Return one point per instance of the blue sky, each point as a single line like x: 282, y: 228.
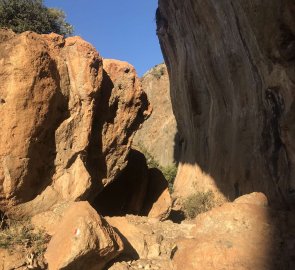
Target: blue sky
x: 124, y: 30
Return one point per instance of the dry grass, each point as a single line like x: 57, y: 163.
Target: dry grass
x: 199, y: 202
x: 20, y: 234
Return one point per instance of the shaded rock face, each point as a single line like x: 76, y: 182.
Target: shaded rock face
x: 231, y: 68
x: 67, y: 124
x: 127, y: 193
x: 158, y: 201
x: 138, y: 190
x: 158, y: 133
x: 121, y: 107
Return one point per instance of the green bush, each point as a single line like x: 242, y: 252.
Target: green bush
x: 32, y: 15
x: 169, y: 172
x: 158, y: 72
x: 197, y: 203
x: 170, y: 175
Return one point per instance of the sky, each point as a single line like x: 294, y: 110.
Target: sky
x: 124, y: 30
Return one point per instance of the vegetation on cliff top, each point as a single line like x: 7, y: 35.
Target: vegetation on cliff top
x: 32, y: 15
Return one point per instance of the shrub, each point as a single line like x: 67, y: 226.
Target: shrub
x: 170, y: 175
x: 20, y: 233
x: 32, y: 15
x: 158, y: 71
x: 169, y: 172
x: 197, y: 203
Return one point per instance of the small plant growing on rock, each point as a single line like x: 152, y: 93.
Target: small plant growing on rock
x: 169, y: 172
x: 198, y: 202
x: 170, y: 175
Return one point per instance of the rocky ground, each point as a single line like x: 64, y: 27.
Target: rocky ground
x: 244, y: 234
x: 76, y: 195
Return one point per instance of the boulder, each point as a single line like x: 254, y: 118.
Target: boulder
x: 148, y: 238
x: 231, y: 70
x: 121, y: 108
x: 83, y: 240
x: 241, y: 236
x: 236, y: 236
x: 75, y: 120
x: 256, y: 198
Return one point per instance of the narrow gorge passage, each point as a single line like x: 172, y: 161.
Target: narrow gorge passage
x: 189, y: 167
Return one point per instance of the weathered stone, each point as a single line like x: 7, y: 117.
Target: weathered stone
x: 148, y: 238
x: 233, y: 236
x: 67, y: 124
x: 231, y: 69
x: 83, y: 240
x: 253, y: 198
x: 132, y: 236
x: 158, y: 133
x: 121, y: 107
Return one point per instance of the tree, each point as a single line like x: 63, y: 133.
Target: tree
x: 32, y: 15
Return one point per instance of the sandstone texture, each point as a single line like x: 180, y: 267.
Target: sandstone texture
x: 231, y: 69
x: 67, y: 120
x: 83, y: 240
x: 158, y: 134
x: 234, y: 236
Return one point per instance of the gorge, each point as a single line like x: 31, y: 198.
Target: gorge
x: 85, y: 143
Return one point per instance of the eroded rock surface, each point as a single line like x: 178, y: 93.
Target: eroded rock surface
x: 158, y: 134
x: 67, y: 122
x: 231, y: 68
x: 83, y: 240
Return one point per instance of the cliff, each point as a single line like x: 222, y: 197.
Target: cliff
x: 231, y: 68
x: 158, y: 133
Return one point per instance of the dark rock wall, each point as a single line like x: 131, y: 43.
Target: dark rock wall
x: 231, y: 68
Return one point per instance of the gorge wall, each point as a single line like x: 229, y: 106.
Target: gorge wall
x: 232, y: 76
x: 158, y: 134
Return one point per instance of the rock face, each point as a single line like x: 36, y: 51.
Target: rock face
x: 158, y: 134
x: 126, y: 195
x: 231, y: 68
x: 137, y: 190
x: 83, y: 240
x: 67, y: 122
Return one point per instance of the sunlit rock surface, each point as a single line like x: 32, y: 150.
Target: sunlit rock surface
x: 66, y: 121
